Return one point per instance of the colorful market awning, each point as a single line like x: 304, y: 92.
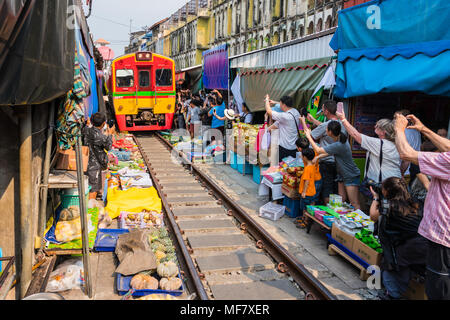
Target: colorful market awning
x: 216, y: 68
x: 393, y: 46
x: 298, y: 80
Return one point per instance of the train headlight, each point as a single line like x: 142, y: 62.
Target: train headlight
x: 143, y: 56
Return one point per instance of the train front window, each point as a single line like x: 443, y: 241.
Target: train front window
x: 164, y: 77
x: 125, y: 78
x: 144, y: 79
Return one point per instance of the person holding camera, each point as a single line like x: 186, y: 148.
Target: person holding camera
x: 382, y: 158
x: 404, y: 250
x: 435, y: 224
x: 287, y: 124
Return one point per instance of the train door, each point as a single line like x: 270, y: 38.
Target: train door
x: 145, y: 96
x: 164, y: 89
x: 144, y: 86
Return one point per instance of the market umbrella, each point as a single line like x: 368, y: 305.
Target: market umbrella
x: 107, y: 53
x: 102, y: 42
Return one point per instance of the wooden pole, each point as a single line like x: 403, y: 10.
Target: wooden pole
x: 23, y: 231
x: 46, y: 172
x: 83, y: 216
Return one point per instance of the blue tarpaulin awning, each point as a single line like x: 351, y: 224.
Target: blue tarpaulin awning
x: 393, y: 46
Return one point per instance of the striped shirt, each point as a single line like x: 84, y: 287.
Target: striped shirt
x: 435, y: 225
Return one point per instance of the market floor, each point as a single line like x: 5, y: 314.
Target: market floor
x: 336, y: 273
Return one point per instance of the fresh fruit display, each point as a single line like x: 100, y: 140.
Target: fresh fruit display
x: 144, y: 282
x: 151, y: 218
x: 161, y: 245
x: 167, y: 269
x: 170, y: 284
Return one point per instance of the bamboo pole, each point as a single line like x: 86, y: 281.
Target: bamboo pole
x: 23, y: 231
x: 46, y: 172
x: 83, y: 216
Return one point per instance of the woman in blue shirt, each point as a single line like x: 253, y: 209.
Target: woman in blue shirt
x: 219, y: 109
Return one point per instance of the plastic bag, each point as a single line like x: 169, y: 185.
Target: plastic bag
x: 69, y: 275
x: 265, y: 142
x: 66, y: 231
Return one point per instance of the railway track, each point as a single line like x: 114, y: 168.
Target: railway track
x: 224, y: 253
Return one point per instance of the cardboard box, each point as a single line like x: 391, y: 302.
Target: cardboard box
x: 290, y: 192
x: 416, y: 291
x: 342, y: 237
x: 366, y: 253
x: 67, y: 159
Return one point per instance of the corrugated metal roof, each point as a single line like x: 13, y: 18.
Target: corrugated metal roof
x: 314, y: 48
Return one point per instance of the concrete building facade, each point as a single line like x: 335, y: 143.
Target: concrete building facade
x: 245, y: 25
x: 248, y: 25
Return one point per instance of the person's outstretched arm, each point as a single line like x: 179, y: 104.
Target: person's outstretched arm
x: 316, y: 148
x: 443, y: 144
x: 355, y: 134
x: 267, y: 105
x: 313, y: 120
x: 217, y: 116
x: 406, y: 152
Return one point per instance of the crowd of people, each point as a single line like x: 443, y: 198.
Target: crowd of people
x: 405, y: 186
x: 199, y: 112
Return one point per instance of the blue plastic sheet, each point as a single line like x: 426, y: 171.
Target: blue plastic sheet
x: 393, y: 46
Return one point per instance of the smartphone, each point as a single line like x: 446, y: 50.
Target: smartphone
x: 340, y: 107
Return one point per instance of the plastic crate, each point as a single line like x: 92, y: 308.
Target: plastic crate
x: 272, y: 211
x: 68, y: 200
x: 106, y: 239
x: 233, y: 160
x: 292, y: 207
x: 123, y: 287
x: 244, y: 165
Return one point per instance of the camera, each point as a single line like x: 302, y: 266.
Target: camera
x: 304, y: 112
x: 376, y: 186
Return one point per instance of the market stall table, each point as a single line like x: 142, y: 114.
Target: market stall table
x: 310, y: 218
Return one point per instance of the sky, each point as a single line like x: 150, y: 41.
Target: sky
x: 110, y: 19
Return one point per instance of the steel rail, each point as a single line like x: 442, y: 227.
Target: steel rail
x: 314, y: 289
x: 196, y: 284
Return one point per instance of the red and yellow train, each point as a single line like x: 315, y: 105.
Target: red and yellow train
x: 142, y: 91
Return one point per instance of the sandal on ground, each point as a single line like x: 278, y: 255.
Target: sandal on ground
x: 301, y: 223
